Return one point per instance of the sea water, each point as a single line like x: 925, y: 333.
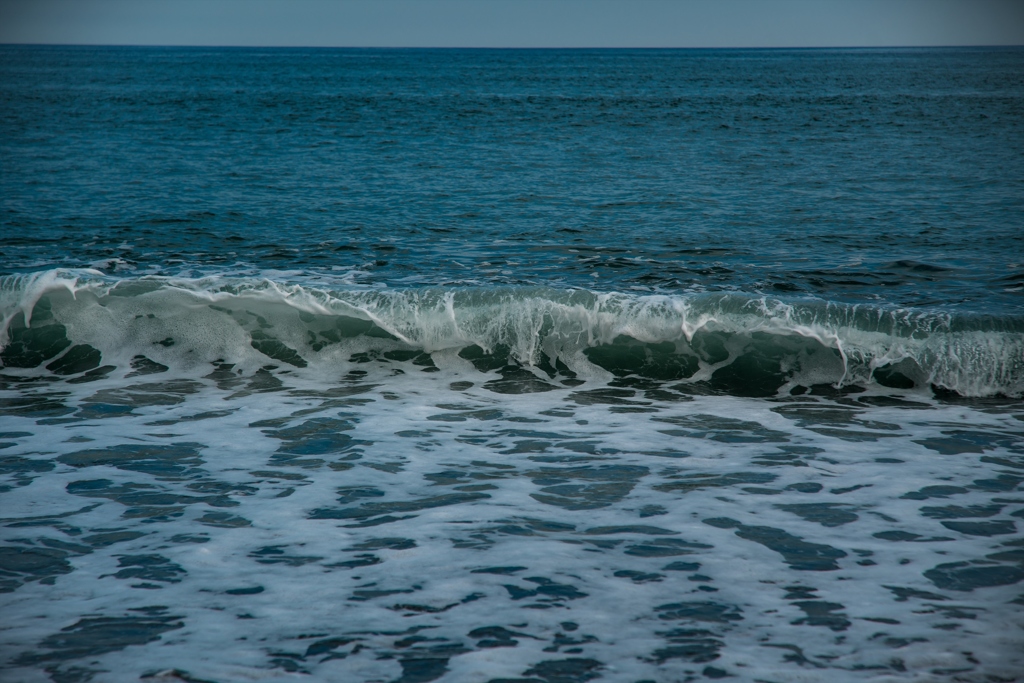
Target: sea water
x: 535, y: 366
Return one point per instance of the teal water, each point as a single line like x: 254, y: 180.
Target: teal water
x: 473, y: 365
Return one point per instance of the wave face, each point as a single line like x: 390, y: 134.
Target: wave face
x: 78, y: 321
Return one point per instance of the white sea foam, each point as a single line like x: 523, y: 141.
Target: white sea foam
x: 810, y: 341
x: 611, y: 503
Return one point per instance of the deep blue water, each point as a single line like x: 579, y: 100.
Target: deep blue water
x: 869, y: 175
x: 495, y: 365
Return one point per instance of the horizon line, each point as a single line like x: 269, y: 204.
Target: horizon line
x: 537, y: 48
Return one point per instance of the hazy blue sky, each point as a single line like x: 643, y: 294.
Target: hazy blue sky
x: 515, y: 23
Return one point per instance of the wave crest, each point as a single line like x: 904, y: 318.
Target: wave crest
x: 733, y: 341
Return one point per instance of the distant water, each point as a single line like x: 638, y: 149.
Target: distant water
x: 534, y: 366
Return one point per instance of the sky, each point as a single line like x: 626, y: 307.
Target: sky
x: 515, y: 23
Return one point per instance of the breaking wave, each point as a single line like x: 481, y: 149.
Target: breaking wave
x: 80, y: 321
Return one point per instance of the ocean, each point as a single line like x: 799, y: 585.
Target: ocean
x: 495, y: 366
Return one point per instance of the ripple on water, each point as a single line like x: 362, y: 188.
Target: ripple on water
x: 362, y: 530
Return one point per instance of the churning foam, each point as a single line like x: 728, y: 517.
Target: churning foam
x: 186, y: 322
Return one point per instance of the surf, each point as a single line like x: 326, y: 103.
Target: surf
x: 69, y: 322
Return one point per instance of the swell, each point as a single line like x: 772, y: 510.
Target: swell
x: 70, y: 322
